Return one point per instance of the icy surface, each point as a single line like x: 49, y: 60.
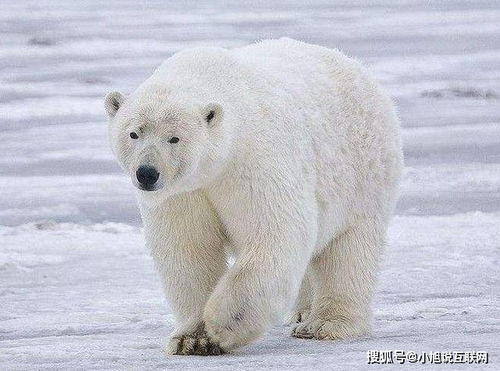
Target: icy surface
x: 87, y: 297
x: 80, y: 292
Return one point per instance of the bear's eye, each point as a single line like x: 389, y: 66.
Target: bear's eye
x: 173, y: 140
x: 134, y: 135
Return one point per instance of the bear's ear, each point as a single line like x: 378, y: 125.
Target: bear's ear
x: 112, y: 102
x: 212, y: 113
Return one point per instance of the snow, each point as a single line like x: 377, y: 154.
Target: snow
x: 77, y: 287
x: 87, y: 297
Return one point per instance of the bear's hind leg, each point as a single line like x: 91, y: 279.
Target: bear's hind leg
x: 344, y: 276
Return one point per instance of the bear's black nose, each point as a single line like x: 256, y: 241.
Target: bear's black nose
x: 147, y: 176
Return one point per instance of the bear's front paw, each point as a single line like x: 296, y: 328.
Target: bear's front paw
x: 330, y: 329
x: 232, y: 328
x: 196, y: 343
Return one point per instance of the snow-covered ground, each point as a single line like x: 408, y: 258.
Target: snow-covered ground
x: 86, y: 297
x: 78, y: 290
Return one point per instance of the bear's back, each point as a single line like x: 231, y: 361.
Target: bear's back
x: 290, y: 58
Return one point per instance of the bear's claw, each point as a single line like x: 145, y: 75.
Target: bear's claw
x: 197, y: 343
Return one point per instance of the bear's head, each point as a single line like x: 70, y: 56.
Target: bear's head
x: 166, y: 145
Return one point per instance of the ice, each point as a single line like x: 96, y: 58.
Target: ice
x: 78, y: 289
x: 87, y: 297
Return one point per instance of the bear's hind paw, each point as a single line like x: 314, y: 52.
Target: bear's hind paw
x: 333, y: 329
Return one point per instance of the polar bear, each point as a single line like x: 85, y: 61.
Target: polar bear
x: 283, y: 154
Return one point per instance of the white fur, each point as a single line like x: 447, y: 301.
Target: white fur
x: 297, y: 171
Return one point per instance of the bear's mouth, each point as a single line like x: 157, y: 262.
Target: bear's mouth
x: 146, y: 188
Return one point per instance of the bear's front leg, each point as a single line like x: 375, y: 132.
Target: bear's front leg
x: 274, y: 247
x: 186, y: 243
x: 254, y: 294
